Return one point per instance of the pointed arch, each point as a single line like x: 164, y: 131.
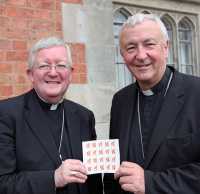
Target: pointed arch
x: 186, y: 39
x: 170, y: 26
x: 188, y: 21
x: 124, y: 11
x: 124, y: 77
x: 145, y: 12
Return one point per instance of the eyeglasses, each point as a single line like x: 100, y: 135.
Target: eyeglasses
x: 58, y: 67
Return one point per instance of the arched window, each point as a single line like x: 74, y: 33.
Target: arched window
x: 124, y: 77
x: 185, y: 49
x: 168, y: 26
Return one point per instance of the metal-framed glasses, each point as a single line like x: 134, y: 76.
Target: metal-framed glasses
x: 59, y: 67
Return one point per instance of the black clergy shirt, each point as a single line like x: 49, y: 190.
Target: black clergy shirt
x: 149, y: 107
x: 54, y: 119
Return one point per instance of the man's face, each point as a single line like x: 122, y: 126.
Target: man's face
x: 51, y: 84
x: 144, y: 52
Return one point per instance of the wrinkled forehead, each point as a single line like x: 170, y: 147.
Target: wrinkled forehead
x: 147, y: 29
x: 57, y: 53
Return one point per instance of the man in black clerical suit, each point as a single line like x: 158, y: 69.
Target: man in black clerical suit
x: 156, y: 119
x: 41, y: 133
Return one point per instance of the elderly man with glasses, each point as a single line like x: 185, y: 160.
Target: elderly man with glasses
x: 41, y: 133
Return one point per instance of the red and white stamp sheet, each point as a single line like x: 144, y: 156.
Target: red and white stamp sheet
x: 101, y: 156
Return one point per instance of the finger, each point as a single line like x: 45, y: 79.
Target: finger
x: 78, y: 175
x: 117, y: 174
x: 126, y: 180
x: 78, y: 168
x: 127, y: 187
x: 75, y: 162
x: 128, y: 164
x: 74, y: 165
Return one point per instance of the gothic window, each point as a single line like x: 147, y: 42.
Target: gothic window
x: 168, y: 26
x: 185, y: 48
x: 124, y: 77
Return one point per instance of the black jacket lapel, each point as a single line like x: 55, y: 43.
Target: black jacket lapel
x: 38, y: 124
x: 127, y: 115
x: 167, y: 115
x: 74, y: 127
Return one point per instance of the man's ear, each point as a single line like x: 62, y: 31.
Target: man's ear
x: 122, y: 54
x: 29, y: 73
x: 166, y: 49
x: 72, y: 71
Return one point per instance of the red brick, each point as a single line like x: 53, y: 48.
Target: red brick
x: 15, y: 2
x: 5, y: 44
x: 58, y: 6
x: 1, y: 56
x: 57, y: 34
x: 20, y: 68
x: 19, y: 45
x: 20, y: 34
x: 30, y: 44
x: 2, y: 79
x: 83, y: 78
x: 19, y: 12
x: 6, y: 90
x: 1, y: 32
x: 29, y: 35
x: 12, y: 79
x: 68, y: 1
x: 48, y: 5
x: 55, y: 16
x: 42, y: 14
x: 1, y: 12
x: 33, y: 3
x: 78, y: 48
x: 18, y: 23
x: 58, y: 26
x: 17, y: 56
x: 82, y: 58
x: 42, y: 34
x: 6, y: 68
x: 75, y: 78
x: 75, y: 58
x: 23, y: 79
x: 40, y: 25
x: 79, y: 68
x: 4, y: 21
x: 78, y: 1
x: 20, y: 89
x: 18, y: 79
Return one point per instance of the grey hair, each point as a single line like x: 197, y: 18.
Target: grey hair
x: 48, y: 42
x: 138, y: 18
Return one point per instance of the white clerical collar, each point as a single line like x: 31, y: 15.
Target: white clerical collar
x: 147, y: 92
x: 53, y: 106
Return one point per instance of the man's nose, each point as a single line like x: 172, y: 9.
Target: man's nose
x: 141, y: 53
x: 52, y: 71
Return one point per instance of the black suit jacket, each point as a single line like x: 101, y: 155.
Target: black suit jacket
x: 172, y: 162
x: 28, y: 153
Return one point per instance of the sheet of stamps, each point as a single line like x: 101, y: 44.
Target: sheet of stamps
x: 101, y: 156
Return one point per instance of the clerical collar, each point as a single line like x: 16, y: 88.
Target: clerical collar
x: 159, y: 86
x: 48, y: 106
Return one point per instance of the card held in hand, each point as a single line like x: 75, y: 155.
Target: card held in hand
x: 101, y: 156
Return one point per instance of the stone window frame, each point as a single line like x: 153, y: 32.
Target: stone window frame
x: 174, y: 18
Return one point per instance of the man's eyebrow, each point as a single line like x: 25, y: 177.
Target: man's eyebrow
x: 150, y: 40
x: 129, y: 44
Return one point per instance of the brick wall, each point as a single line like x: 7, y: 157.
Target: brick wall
x: 22, y: 24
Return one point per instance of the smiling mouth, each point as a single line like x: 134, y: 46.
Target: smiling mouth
x: 143, y: 65
x: 52, y: 82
